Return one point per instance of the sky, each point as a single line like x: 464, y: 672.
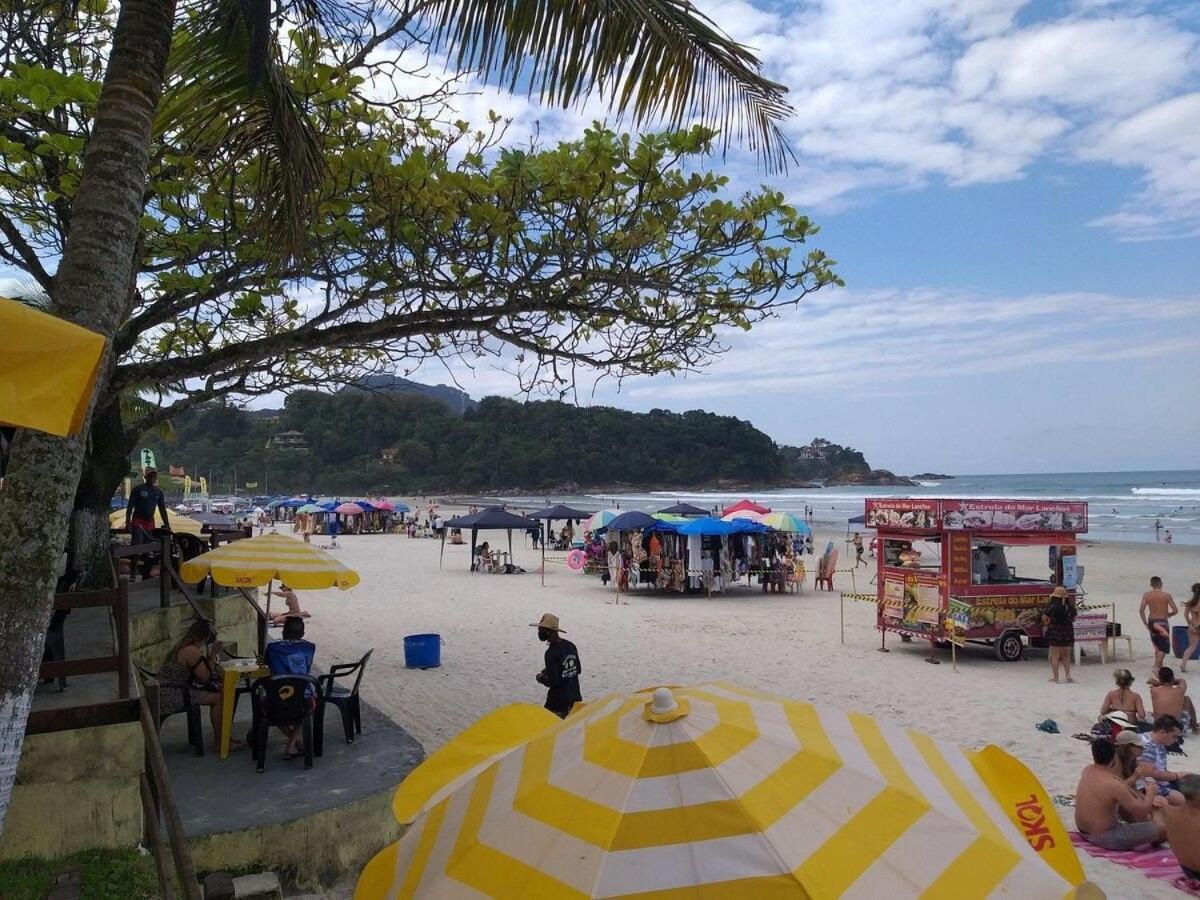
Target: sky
x: 1012, y: 192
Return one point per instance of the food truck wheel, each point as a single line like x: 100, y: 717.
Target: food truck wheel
x: 1008, y: 647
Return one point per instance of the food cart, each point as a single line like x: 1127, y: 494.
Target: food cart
x: 943, y: 563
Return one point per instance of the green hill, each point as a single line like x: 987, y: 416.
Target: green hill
x: 363, y: 442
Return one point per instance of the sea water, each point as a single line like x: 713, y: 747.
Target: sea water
x: 1122, y: 506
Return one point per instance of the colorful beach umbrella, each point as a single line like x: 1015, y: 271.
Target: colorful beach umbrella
x: 348, y: 509
x: 365, y: 505
x: 256, y: 561
x: 179, y: 523
x: 384, y: 506
x: 785, y: 521
x: 717, y: 791
x: 309, y: 508
x: 749, y: 515
x: 48, y: 367
x: 600, y: 519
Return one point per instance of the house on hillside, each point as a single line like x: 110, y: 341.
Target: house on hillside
x: 288, y: 440
x: 388, y: 454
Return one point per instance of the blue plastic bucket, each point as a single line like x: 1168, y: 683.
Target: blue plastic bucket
x: 423, y: 651
x: 1179, y: 642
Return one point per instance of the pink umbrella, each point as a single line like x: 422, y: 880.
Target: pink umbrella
x: 383, y: 506
x: 348, y: 509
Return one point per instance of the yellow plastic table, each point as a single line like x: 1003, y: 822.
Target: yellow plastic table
x: 231, y: 672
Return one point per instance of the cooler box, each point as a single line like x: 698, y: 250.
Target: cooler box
x: 423, y: 651
x: 1179, y: 642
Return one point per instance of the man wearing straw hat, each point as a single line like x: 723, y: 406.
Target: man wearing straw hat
x: 561, y: 674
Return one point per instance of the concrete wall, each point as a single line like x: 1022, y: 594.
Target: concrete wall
x: 314, y: 851
x: 152, y: 633
x: 76, y: 790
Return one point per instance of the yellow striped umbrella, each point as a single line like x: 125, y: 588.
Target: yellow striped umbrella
x: 255, y: 561
x: 717, y: 791
x: 179, y: 523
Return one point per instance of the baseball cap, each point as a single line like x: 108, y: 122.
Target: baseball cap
x: 1128, y: 737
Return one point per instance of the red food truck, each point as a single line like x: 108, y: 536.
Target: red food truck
x: 946, y: 561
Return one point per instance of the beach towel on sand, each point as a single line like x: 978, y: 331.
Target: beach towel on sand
x: 1158, y: 863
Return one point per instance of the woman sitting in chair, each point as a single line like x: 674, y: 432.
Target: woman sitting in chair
x: 191, y: 666
x: 487, y: 559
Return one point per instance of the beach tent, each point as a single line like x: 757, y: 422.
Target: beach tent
x: 709, y: 526
x: 634, y: 520
x: 719, y: 791
x: 684, y: 509
x: 748, y: 505
x: 48, y: 368
x: 211, y: 520
x: 491, y: 518
x: 552, y: 514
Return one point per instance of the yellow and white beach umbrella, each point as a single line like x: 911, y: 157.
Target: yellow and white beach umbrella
x: 179, y: 523
x: 256, y: 561
x: 717, y: 791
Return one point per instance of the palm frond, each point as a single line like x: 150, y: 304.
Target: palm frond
x: 26, y: 290
x: 228, y: 95
x: 135, y: 408
x: 652, y: 59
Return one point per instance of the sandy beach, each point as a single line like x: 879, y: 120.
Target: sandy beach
x: 788, y: 644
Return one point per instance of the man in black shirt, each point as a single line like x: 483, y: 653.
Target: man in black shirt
x: 561, y: 675
x: 139, y: 514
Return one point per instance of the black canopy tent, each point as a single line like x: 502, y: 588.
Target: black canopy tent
x: 548, y: 515
x: 493, y: 518
x: 685, y: 509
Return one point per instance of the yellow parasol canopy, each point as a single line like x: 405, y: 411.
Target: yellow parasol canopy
x: 717, y: 791
x: 255, y: 561
x: 48, y: 368
x: 179, y: 523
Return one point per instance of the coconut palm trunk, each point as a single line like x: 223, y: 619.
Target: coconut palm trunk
x: 92, y: 289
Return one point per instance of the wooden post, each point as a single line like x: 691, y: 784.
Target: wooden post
x: 164, y: 579
x: 842, y: 615
x: 122, y: 616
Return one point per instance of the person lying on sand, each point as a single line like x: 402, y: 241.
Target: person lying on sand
x: 1102, y: 794
x: 1183, y: 827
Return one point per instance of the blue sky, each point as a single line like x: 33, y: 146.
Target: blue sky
x: 1012, y: 191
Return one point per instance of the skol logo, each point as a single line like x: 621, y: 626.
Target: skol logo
x: 1033, y: 822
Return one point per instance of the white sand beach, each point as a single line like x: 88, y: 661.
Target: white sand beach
x: 788, y: 644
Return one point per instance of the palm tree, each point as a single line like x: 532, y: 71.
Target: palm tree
x: 648, y: 58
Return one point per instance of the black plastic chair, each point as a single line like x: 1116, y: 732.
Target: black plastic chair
x: 345, y: 700
x: 283, y: 700
x: 195, y: 731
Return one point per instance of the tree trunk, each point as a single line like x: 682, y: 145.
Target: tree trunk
x: 91, y: 288
x: 105, y: 463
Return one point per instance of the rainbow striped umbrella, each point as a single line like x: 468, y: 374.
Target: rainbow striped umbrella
x: 716, y: 791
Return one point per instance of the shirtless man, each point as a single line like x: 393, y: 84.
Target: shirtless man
x: 1156, y: 610
x: 1168, y: 697
x: 1183, y: 827
x: 1102, y: 793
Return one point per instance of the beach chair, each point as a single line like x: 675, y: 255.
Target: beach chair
x: 346, y: 700
x: 283, y: 701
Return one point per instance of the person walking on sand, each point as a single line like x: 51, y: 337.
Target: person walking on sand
x: 561, y: 672
x: 1156, y: 610
x: 857, y: 541
x: 1191, y: 614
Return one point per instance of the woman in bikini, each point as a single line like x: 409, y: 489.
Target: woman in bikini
x: 1191, y: 614
x: 191, y: 666
x: 1123, y: 699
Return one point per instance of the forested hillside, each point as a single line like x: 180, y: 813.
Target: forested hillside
x: 395, y: 443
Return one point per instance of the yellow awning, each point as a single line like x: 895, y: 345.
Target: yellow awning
x: 717, y: 791
x: 48, y: 368
x: 256, y: 561
x: 180, y: 523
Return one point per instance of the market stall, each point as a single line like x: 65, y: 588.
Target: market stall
x: 944, y: 564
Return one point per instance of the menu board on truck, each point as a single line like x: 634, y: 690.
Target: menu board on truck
x: 903, y: 512
x: 1014, y: 515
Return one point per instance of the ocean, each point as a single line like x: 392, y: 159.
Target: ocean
x: 1122, y: 506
